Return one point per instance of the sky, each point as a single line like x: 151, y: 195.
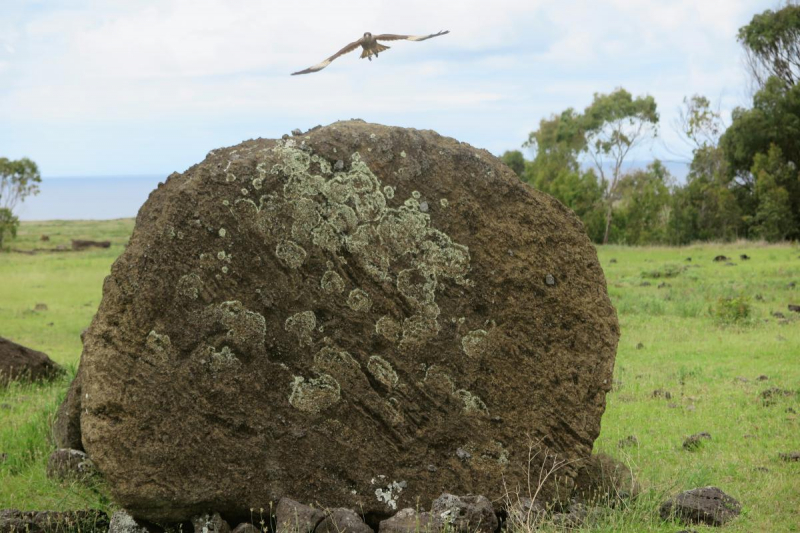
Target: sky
x: 133, y: 87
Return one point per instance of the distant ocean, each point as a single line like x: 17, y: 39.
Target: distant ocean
x: 105, y: 197
x: 88, y: 198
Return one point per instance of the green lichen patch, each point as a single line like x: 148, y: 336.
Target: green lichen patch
x: 190, y: 286
x: 388, y: 328
x: 472, y: 403
x: 332, y: 283
x: 246, y: 329
x: 335, y: 361
x: 159, y: 348
x: 222, y: 361
x: 291, y: 254
x: 359, y: 300
x: 382, y: 370
x: 474, y: 343
x: 419, y: 329
x: 301, y: 325
x: 314, y: 395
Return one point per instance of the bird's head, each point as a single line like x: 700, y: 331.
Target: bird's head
x: 367, y: 35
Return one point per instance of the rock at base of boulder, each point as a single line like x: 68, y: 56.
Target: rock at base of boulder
x: 605, y: 480
x: 343, y: 521
x: 210, y: 523
x: 294, y: 517
x: 407, y: 521
x: 65, y: 464
x: 525, y: 515
x: 246, y: 528
x: 122, y: 522
x: 472, y: 514
x: 78, y: 244
x: 14, y: 521
x: 18, y: 362
x: 67, y: 424
x: 706, y: 505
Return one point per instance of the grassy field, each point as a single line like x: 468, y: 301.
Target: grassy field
x: 674, y: 338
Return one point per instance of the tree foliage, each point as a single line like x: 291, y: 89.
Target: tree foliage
x: 18, y: 180
x: 772, y: 45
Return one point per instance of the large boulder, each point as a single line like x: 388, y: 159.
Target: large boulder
x: 359, y: 317
x: 20, y: 363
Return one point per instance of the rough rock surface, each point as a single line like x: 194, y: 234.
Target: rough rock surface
x: 14, y: 521
x: 122, y: 522
x: 327, y: 315
x: 210, y: 523
x: 707, y: 505
x: 294, y: 517
x: 606, y: 481
x: 19, y: 362
x: 67, y: 424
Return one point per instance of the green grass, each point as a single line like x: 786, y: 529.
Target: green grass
x: 686, y: 349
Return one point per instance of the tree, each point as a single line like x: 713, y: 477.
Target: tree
x: 774, y: 120
x: 698, y: 123
x: 18, y: 180
x: 772, y: 44
x: 614, y: 124
x: 644, y: 204
x: 773, y: 218
x: 515, y: 161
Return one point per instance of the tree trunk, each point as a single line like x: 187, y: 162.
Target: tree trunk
x: 608, y: 224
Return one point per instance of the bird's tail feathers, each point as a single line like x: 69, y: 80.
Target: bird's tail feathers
x: 378, y: 48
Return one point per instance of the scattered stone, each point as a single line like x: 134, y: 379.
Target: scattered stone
x: 342, y: 520
x: 707, y: 505
x: 778, y: 314
x: 20, y: 363
x: 550, y: 279
x: 791, y: 410
x: 14, y: 521
x: 664, y: 285
x: 645, y: 284
x: 794, y: 308
x: 759, y: 297
x: 67, y: 465
x: 744, y: 257
x: 44, y: 238
x: 79, y: 245
x: 613, y: 261
x: 464, y: 514
x: 791, y: 456
x: 297, y: 132
x: 122, y: 522
x: 791, y: 285
x: 210, y: 523
x: 406, y: 521
x: 639, y: 346
x: 628, y: 441
x: 741, y: 379
x: 762, y: 469
x: 661, y: 393
x: 245, y: 527
x: 294, y: 517
x: 769, y: 395
x: 175, y: 344
x: 604, y: 480
x: 762, y: 377
x: 40, y: 307
x: 689, y: 259
x: 693, y: 442
x: 720, y: 258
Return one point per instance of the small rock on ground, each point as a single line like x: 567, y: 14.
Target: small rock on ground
x: 343, y: 520
x: 294, y: 517
x: 66, y: 464
x: 210, y: 523
x: 706, y: 505
x: 406, y: 521
x: 694, y: 442
x: 246, y: 528
x: 122, y: 522
x: 473, y: 514
x: 791, y: 456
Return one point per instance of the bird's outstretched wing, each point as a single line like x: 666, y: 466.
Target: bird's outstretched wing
x: 393, y: 37
x: 319, y: 66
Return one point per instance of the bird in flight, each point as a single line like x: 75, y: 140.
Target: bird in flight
x: 371, y: 47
